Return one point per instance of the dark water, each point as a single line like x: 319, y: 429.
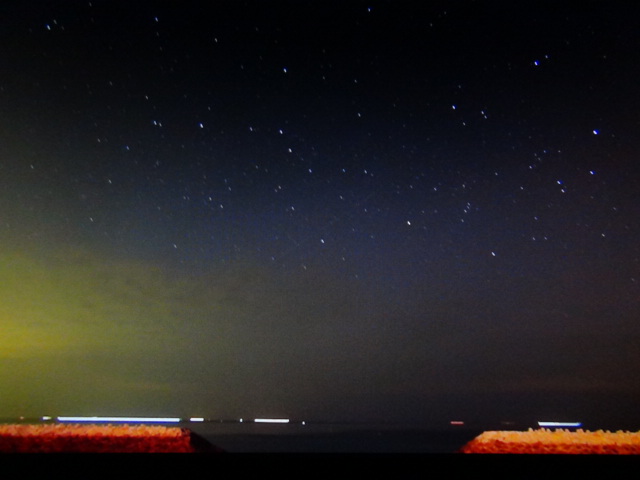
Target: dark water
x: 332, y: 438
x: 398, y: 451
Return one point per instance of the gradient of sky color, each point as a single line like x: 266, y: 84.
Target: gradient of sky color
x: 321, y: 210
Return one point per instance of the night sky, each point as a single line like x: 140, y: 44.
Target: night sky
x: 323, y: 210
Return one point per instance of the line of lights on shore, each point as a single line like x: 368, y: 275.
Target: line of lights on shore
x: 97, y: 419
x: 559, y: 424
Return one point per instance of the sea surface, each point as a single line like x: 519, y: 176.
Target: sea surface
x: 331, y: 438
x: 407, y: 451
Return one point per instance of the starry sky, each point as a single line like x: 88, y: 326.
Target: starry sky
x: 324, y: 210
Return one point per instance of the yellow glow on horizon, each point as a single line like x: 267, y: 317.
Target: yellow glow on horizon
x: 77, y: 329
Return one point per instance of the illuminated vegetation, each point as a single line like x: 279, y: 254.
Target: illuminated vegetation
x: 558, y: 441
x: 94, y: 439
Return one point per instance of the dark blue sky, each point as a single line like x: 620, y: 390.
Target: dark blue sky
x: 328, y: 210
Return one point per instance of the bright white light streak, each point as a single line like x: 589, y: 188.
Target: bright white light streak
x: 271, y: 420
x: 559, y: 424
x: 121, y: 419
x: 196, y: 419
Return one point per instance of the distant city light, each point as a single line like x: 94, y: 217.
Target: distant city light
x: 456, y: 422
x: 559, y: 424
x: 196, y: 419
x: 46, y: 418
x: 271, y: 420
x: 121, y: 419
